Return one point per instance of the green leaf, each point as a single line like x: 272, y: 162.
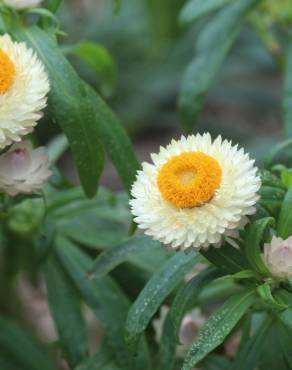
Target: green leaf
x: 117, y: 6
x: 167, y: 346
x: 285, y: 298
x: 101, y: 62
x: 195, y: 9
x: 269, y: 179
x: 226, y: 258
x: 218, y: 326
x: 66, y: 311
x: 115, y: 140
x: 71, y: 106
x: 245, y: 274
x: 265, y: 293
x: 187, y: 296
x: 285, y: 338
x: 99, y: 361
x: 184, y: 300
x: 53, y: 5
x: 22, y: 350
x: 286, y: 178
x: 276, y: 151
x: 106, y: 300
x: 211, y: 48
x: 57, y: 147
x: 284, y: 227
x: 248, y: 355
x: 162, y: 283
x: 271, y: 193
x: 255, y: 233
x: 121, y: 253
x: 287, y: 101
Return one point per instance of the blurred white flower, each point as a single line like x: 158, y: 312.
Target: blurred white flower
x: 24, y: 87
x: 22, y: 4
x: 196, y: 192
x: 278, y: 257
x: 23, y: 169
x: 191, y: 324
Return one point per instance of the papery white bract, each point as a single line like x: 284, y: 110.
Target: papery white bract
x: 22, y: 4
x: 278, y: 257
x: 221, y: 190
x: 23, y: 169
x: 24, y: 87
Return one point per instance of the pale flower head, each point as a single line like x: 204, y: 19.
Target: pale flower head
x: 23, y: 169
x: 24, y: 87
x: 278, y: 257
x: 22, y: 4
x: 195, y: 192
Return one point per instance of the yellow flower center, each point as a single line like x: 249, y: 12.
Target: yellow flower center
x: 189, y: 179
x: 7, y: 72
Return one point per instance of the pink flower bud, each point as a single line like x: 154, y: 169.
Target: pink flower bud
x: 23, y: 169
x: 278, y: 257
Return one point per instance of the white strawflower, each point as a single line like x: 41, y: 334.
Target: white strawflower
x: 195, y: 192
x: 23, y: 169
x: 24, y: 86
x: 22, y: 4
x: 278, y: 257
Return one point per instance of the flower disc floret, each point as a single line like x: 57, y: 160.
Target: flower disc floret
x: 189, y: 179
x: 7, y: 72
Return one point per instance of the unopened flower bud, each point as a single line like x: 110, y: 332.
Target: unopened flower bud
x: 278, y: 257
x: 23, y: 169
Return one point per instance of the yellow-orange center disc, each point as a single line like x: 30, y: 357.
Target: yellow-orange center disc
x: 7, y: 72
x: 189, y: 179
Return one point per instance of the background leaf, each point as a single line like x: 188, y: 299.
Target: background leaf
x: 66, y: 311
x: 101, y: 62
x: 218, y: 326
x: 287, y: 101
x: 21, y: 350
x: 195, y: 9
x: 162, y: 283
x: 254, y: 238
x: 284, y: 226
x: 106, y: 300
x: 211, y: 48
x: 113, y: 257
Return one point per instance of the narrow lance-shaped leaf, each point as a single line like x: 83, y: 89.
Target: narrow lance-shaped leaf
x: 249, y: 353
x: 188, y: 294
x: 212, y: 46
x: 113, y: 257
x: 226, y: 258
x: 218, y: 326
x: 195, y: 9
x: 101, y: 62
x: 183, y: 301
x: 287, y: 102
x: 162, y: 283
x: 284, y: 226
x: 107, y: 301
x: 253, y: 241
x: 22, y: 350
x: 115, y: 139
x: 70, y: 105
x: 66, y: 311
x: 53, y: 5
